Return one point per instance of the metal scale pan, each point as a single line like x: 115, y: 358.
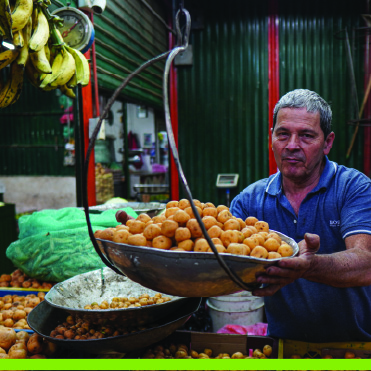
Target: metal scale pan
x: 185, y: 273
x: 44, y: 318
x: 74, y: 294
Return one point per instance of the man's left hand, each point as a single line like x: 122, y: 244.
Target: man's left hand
x: 288, y: 270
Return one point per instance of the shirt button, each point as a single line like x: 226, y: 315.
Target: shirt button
x: 295, y: 221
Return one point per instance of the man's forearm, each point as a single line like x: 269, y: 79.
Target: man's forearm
x: 347, y: 268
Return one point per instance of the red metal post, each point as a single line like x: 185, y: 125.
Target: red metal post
x: 173, y: 97
x: 273, y: 74
x: 87, y: 113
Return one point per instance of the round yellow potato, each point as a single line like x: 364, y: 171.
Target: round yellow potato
x: 237, y: 249
x: 224, y: 215
x: 247, y: 232
x: 197, y: 203
x: 242, y: 223
x: 219, y: 248
x: 259, y: 237
x: 181, y: 217
x: 169, y: 227
x: 121, y: 236
x: 171, y: 211
x: 107, y: 234
x: 137, y: 227
x: 172, y: 204
x: 159, y: 218
x: 232, y: 224
x: 259, y: 252
x: 201, y: 245
x: 194, y: 227
x: 209, y: 204
x: 221, y: 208
x: 230, y: 236
x: 144, y: 217
x: 274, y: 255
x: 151, y: 231
x: 262, y: 226
x: 162, y: 242
x: 183, y: 203
x: 264, y: 234
x: 285, y: 250
x: 186, y: 245
x: 214, y: 231
x: 189, y: 211
x: 137, y: 240
x: 271, y: 244
x: 275, y: 236
x: 182, y: 234
x: 122, y: 226
x: 209, y: 221
x: 251, y: 220
x: 210, y: 211
x: 251, y: 242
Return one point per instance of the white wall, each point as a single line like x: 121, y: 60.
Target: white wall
x: 38, y: 193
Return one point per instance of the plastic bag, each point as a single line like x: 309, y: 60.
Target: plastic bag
x: 55, y: 245
x: 258, y: 328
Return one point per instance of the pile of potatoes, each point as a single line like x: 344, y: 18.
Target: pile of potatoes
x: 20, y: 345
x: 181, y: 351
x: 75, y: 328
x: 20, y: 279
x: 177, y: 229
x: 129, y: 302
x: 14, y: 309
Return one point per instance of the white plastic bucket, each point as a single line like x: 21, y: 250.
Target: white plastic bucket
x: 241, y: 308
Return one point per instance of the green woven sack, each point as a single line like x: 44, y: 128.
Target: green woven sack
x: 54, y: 245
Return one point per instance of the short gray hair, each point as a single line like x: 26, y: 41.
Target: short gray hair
x: 300, y: 98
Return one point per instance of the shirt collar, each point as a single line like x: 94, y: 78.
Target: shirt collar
x: 274, y: 185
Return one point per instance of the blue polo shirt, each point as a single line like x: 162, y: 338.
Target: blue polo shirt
x: 338, y: 207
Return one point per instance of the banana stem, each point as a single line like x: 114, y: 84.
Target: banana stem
x: 56, y: 37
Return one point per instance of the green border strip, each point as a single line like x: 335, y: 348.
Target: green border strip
x: 189, y: 364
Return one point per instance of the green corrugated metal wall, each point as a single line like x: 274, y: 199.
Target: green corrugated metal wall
x: 127, y: 35
x: 223, y: 97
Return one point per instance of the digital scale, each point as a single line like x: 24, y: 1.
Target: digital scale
x: 227, y: 181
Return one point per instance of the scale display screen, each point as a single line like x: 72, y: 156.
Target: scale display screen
x: 227, y: 180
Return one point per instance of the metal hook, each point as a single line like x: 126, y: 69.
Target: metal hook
x: 183, y: 39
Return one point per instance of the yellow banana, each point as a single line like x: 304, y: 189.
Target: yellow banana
x: 72, y: 82
x: 82, y: 66
x: 67, y: 91
x: 21, y: 12
x: 32, y: 74
x: 56, y: 70
x: 12, y: 89
x: 18, y: 39
x: 41, y: 61
x: 23, y: 55
x: 67, y: 69
x: 40, y: 32
x: 6, y: 19
x: 7, y: 57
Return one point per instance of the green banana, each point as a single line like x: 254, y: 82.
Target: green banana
x: 67, y: 69
x: 82, y: 67
x: 7, y: 57
x: 12, y: 89
x: 56, y: 70
x: 40, y: 34
x: 67, y: 91
x: 18, y: 39
x: 23, y: 55
x: 6, y: 19
x: 41, y: 61
x: 21, y: 13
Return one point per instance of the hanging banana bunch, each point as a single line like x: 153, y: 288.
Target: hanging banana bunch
x: 39, y: 53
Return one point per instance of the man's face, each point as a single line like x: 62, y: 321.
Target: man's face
x: 298, y: 144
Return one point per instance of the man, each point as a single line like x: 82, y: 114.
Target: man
x: 324, y: 293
